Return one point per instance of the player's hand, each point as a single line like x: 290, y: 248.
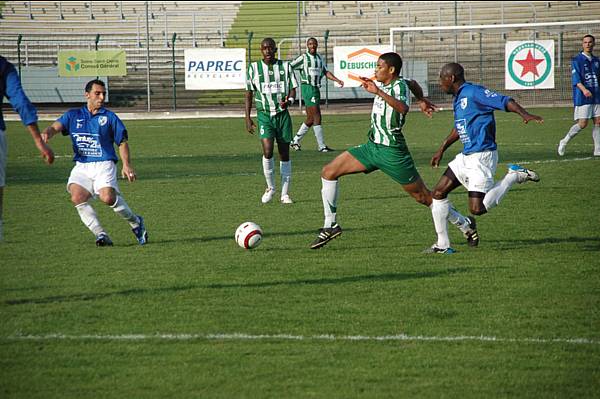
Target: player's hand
x: 341, y: 83
x: 250, y: 126
x: 47, y: 153
x: 530, y: 117
x: 284, y: 103
x: 436, y: 158
x: 427, y: 107
x: 369, y: 85
x: 587, y: 93
x: 128, y: 173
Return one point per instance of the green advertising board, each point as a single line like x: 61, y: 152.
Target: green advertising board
x: 92, y: 63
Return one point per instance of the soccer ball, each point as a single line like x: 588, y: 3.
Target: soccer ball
x: 248, y: 235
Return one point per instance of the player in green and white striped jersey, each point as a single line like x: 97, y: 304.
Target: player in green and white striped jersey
x: 312, y: 69
x: 273, y: 85
x: 385, y: 148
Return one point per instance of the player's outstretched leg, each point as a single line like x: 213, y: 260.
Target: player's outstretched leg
x: 523, y: 174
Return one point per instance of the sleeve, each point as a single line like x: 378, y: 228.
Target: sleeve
x: 575, y: 72
x: 64, y: 120
x: 297, y: 62
x: 119, y: 130
x: 293, y: 81
x: 400, y: 92
x: 249, y: 78
x: 490, y: 99
x: 17, y: 98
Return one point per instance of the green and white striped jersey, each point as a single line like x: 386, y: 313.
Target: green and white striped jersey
x: 312, y: 68
x: 270, y: 84
x: 386, y: 122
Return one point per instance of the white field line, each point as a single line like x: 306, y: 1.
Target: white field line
x: 290, y: 337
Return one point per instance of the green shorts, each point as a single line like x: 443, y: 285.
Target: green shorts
x: 278, y: 127
x: 396, y: 162
x: 311, y: 95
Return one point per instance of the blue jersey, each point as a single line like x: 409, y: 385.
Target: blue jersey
x: 586, y: 72
x: 10, y: 87
x: 474, y: 108
x: 93, y: 136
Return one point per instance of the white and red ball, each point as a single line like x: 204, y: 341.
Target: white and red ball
x: 248, y: 235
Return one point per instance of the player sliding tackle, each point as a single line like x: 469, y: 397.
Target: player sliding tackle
x: 385, y: 149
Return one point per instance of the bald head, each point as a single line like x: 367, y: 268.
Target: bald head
x: 452, y: 76
x: 453, y: 69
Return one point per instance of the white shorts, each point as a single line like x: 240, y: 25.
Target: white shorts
x: 475, y: 171
x: 94, y: 175
x: 3, y: 157
x: 587, y: 111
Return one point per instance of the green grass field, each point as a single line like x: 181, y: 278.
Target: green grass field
x: 192, y: 315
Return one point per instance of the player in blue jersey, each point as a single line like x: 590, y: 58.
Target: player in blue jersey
x: 94, y: 131
x: 10, y: 87
x: 585, y: 77
x: 475, y: 166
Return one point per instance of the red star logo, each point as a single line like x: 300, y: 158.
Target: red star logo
x: 529, y: 64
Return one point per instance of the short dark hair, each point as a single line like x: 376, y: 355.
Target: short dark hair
x: 312, y: 38
x: 392, y: 59
x: 453, y: 69
x: 588, y: 35
x: 268, y: 40
x: 91, y: 83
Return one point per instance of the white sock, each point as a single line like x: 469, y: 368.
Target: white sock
x: 495, y: 195
x: 596, y: 137
x: 572, y: 132
x: 268, y: 170
x: 122, y: 209
x: 457, y: 219
x: 319, y: 136
x: 439, y: 212
x: 301, y: 132
x: 329, y: 194
x: 89, y: 218
x: 285, y: 168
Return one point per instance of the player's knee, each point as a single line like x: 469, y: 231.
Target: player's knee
x: 78, y: 198
x: 328, y: 172
x: 438, y: 194
x: 478, y: 209
x: 582, y: 123
x: 109, y: 198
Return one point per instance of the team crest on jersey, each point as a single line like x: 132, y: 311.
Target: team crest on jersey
x: 463, y: 103
x: 102, y: 120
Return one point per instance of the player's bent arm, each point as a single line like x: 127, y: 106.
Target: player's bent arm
x: 398, y: 105
x: 448, y: 141
x: 51, y: 131
x: 584, y: 90
x: 427, y: 107
x: 513, y: 106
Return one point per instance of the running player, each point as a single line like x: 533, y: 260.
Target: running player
x: 385, y: 149
x: 312, y: 69
x: 273, y: 85
x: 94, y: 131
x: 475, y: 166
